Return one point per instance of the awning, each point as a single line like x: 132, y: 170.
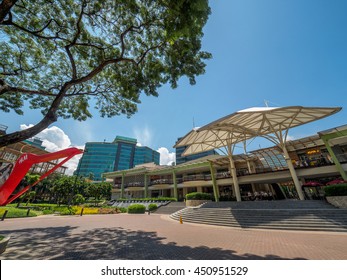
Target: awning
x: 272, y: 123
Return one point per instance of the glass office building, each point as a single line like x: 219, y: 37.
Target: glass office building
x: 145, y: 154
x: 125, y: 152
x: 121, y: 154
x: 97, y: 157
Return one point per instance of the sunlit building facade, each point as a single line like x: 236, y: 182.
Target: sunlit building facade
x: 121, y: 154
x: 319, y: 158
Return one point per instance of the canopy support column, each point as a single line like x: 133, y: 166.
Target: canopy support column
x: 214, y: 183
x: 247, y: 160
x: 293, y: 173
x: 234, y: 176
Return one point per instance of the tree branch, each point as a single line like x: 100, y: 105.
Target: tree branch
x: 67, y: 48
x: 49, y: 118
x: 5, y: 9
x: 6, y: 88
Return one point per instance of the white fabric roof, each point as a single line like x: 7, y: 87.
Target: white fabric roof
x: 249, y: 123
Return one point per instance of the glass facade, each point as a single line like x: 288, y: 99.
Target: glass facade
x: 121, y: 154
x: 97, y: 159
x: 145, y: 155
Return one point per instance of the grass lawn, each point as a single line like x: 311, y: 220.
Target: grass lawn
x: 44, y: 209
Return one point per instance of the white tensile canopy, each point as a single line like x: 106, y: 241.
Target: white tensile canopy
x: 272, y: 123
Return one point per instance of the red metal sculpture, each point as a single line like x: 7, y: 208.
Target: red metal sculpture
x: 10, y: 180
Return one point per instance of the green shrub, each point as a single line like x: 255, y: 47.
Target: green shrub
x: 66, y: 210
x: 47, y: 211
x: 149, y: 199
x: 198, y: 196
x: 122, y: 209
x: 136, y: 208
x: 78, y: 199
x: 336, y: 190
x: 152, y: 207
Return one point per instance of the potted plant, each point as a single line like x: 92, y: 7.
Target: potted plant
x: 337, y: 195
x: 197, y: 198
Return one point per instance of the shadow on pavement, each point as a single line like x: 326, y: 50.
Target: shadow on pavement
x: 59, y: 243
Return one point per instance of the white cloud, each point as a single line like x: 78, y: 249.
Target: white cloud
x: 143, y: 136
x: 73, y: 162
x: 166, y: 158
x: 54, y: 139
x: 290, y: 138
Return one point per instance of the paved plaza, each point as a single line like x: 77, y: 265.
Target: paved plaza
x: 157, y: 237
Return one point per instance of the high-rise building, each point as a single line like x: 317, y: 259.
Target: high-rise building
x: 125, y: 152
x: 144, y: 154
x: 182, y: 159
x: 97, y: 158
x: 121, y: 154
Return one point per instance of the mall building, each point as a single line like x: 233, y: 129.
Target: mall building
x: 316, y: 160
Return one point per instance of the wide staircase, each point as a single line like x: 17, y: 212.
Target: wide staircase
x: 170, y: 208
x: 308, y: 215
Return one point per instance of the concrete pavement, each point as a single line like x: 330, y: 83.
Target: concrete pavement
x: 157, y: 237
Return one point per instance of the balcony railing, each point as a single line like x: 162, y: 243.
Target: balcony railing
x: 197, y: 177
x: 342, y: 158
x: 240, y: 172
x: 132, y: 184
x: 161, y: 182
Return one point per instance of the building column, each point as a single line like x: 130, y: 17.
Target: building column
x: 174, y: 179
x: 122, y: 186
x: 293, y: 173
x: 185, y: 191
x: 335, y: 160
x: 146, y: 186
x: 214, y: 183
x: 253, y: 188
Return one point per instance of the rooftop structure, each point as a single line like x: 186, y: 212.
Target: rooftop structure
x: 259, y: 171
x: 268, y: 122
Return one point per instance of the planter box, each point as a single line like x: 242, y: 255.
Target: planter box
x: 3, y: 244
x: 193, y: 203
x: 338, y: 201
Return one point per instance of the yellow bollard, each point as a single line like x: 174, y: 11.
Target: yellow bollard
x: 181, y: 221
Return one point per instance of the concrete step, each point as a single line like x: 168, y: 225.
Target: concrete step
x: 274, y: 204
x: 170, y: 208
x: 315, y: 220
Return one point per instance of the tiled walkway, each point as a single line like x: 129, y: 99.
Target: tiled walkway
x: 139, y: 237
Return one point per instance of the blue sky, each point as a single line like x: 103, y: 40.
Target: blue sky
x: 286, y: 52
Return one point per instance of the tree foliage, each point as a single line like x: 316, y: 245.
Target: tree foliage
x: 64, y: 57
x: 64, y: 188
x: 99, y: 190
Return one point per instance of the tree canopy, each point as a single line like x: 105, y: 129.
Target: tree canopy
x: 65, y: 57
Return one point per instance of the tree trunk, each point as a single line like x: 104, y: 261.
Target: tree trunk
x: 18, y: 136
x: 48, y: 119
x: 5, y: 8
